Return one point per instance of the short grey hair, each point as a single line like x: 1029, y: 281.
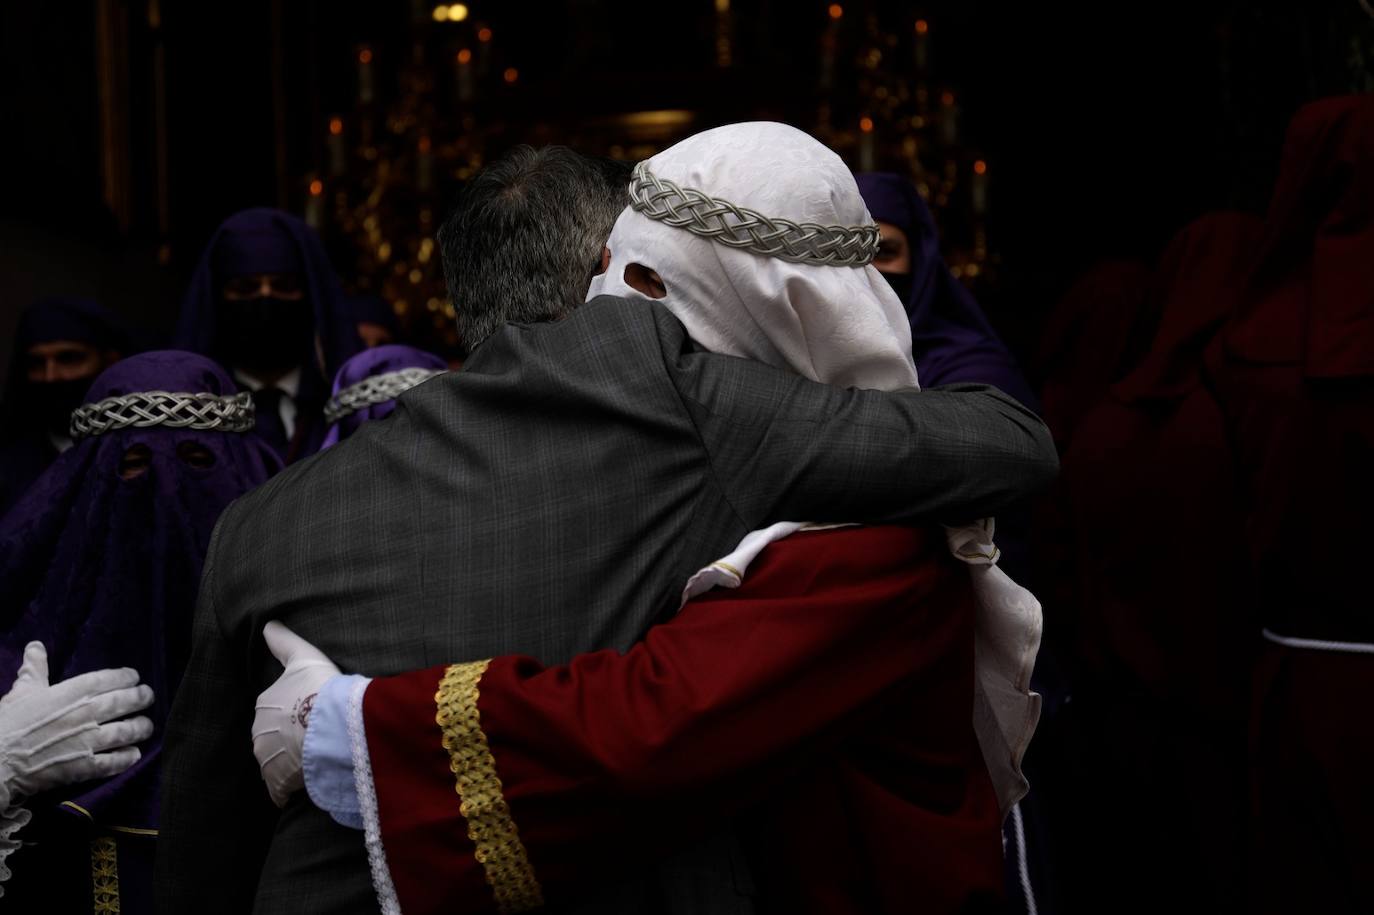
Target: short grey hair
x: 525, y: 237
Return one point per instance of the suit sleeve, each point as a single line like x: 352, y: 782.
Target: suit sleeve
x: 216, y: 818
x: 784, y: 448
x: 501, y: 785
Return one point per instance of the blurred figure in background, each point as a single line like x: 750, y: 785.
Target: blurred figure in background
x: 1155, y: 602
x: 1294, y: 372
x: 101, y: 563
x: 951, y: 338
x: 376, y: 320
x: 265, y: 303
x: 61, y: 344
x: 367, y: 386
x: 1093, y: 336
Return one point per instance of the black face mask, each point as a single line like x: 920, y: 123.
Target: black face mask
x: 901, y: 284
x: 50, y: 403
x: 265, y: 334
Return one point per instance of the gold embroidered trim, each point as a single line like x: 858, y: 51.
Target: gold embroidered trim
x: 131, y: 830
x: 722, y: 564
x: 105, y: 876
x: 482, y: 802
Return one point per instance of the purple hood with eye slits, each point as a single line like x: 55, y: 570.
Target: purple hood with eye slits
x: 104, y: 571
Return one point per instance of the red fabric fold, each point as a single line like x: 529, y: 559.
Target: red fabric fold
x: 842, y: 666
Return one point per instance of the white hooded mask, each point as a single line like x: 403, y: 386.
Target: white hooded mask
x: 840, y: 325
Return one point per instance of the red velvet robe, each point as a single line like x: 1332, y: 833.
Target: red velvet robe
x: 1162, y: 619
x: 825, y: 704
x: 1294, y: 373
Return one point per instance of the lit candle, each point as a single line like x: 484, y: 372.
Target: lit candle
x: 830, y: 42
x: 314, y: 204
x: 980, y: 187
x: 483, y: 51
x: 465, y: 81
x: 366, y: 89
x: 866, y: 157
x: 723, y: 43
x: 338, y: 152
x: 949, y: 119
x: 922, y: 46
x: 424, y: 165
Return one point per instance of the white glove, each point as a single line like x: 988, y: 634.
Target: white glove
x: 69, y: 732
x: 283, y: 710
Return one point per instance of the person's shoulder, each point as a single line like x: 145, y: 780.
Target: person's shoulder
x: 604, y: 337
x: 609, y: 317
x: 288, y: 498
x: 860, y: 562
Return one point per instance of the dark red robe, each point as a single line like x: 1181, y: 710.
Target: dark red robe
x: 1159, y: 609
x: 1294, y: 372
x: 825, y: 706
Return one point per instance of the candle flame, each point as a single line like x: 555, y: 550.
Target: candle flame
x: 336, y: 126
x: 457, y: 12
x: 922, y: 27
x: 484, y: 34
x: 866, y: 124
x: 980, y: 167
x: 836, y: 11
x: 511, y: 75
x: 316, y: 188
x: 465, y: 56
x: 365, y: 56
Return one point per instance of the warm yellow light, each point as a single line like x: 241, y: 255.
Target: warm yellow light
x: 922, y: 27
x: 866, y: 124
x: 316, y: 188
x: 365, y: 56
x: 457, y: 12
x: 836, y: 11
x: 465, y: 56
x: 441, y: 14
x: 980, y: 167
x: 484, y: 34
x: 722, y: 6
x: 511, y: 75
x: 336, y: 126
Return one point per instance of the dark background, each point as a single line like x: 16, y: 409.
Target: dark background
x: 132, y: 128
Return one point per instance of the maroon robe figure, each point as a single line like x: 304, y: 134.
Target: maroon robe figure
x: 1294, y: 372
x: 1159, y: 609
x: 825, y: 704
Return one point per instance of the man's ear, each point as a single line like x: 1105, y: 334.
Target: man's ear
x: 642, y: 279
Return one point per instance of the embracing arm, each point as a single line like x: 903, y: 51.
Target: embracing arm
x: 502, y: 782
x: 787, y: 449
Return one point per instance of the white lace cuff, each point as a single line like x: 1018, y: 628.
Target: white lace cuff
x: 367, y: 802
x: 12, y: 820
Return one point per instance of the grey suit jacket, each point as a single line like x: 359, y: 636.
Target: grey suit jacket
x: 550, y: 499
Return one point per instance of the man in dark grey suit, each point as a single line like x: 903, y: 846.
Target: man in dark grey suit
x: 550, y: 499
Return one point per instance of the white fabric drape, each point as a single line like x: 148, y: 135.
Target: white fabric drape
x: 838, y: 325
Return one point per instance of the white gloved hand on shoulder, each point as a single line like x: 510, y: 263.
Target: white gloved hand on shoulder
x: 60, y: 734
x: 283, y: 710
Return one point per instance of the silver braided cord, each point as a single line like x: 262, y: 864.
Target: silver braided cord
x: 374, y: 390
x: 740, y: 227
x: 219, y: 413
